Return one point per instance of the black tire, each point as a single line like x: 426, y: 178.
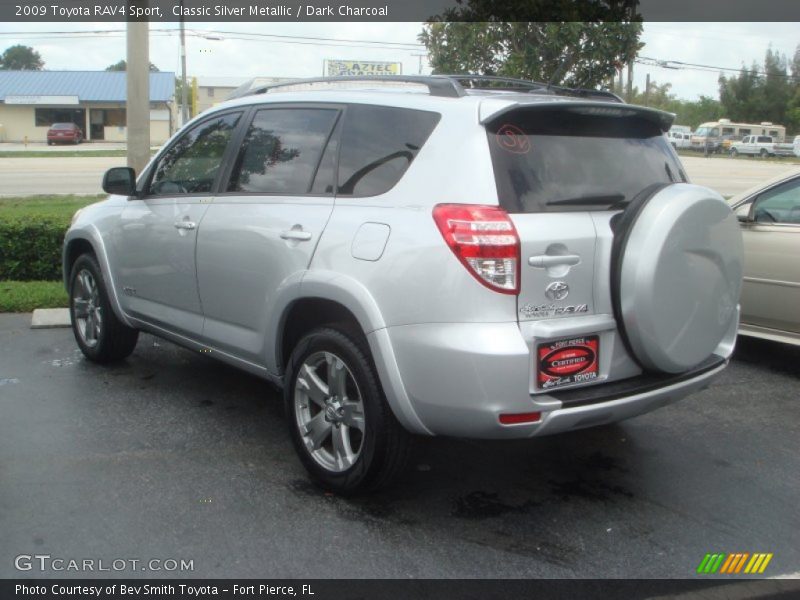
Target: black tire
x: 113, y: 340
x: 763, y: 153
x: 384, y: 443
x: 734, y: 152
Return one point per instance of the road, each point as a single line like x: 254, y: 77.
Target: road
x: 64, y: 175
x: 730, y: 176
x: 172, y: 455
x: 56, y: 175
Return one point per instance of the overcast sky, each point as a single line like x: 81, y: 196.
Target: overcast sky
x: 716, y: 44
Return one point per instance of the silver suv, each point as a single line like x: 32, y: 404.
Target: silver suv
x: 446, y: 255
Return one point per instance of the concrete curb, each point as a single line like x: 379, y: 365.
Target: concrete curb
x: 48, y: 318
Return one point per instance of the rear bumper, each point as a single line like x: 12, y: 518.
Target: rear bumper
x: 457, y: 379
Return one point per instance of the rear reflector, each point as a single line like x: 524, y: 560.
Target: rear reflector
x: 484, y: 239
x: 517, y: 418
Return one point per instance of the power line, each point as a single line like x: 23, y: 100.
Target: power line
x: 680, y: 65
x: 240, y: 35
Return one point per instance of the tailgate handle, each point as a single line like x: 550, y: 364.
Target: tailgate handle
x: 296, y: 235
x: 546, y: 261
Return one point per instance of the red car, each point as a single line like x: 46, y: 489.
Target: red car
x: 64, y: 132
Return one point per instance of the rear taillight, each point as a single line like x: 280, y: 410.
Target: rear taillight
x: 484, y: 240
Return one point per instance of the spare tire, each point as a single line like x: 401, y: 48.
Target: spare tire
x: 676, y: 275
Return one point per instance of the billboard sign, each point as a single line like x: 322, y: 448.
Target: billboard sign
x: 336, y: 68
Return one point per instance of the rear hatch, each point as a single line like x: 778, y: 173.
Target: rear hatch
x: 562, y: 173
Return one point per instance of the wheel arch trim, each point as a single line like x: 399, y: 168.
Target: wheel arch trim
x: 91, y: 235
x: 355, y: 298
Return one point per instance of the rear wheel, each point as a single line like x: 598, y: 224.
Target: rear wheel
x: 734, y: 152
x: 100, y: 335
x: 341, y: 425
x: 763, y: 153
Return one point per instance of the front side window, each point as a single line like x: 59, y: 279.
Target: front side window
x: 378, y: 145
x: 779, y: 205
x: 281, y: 151
x: 191, y: 165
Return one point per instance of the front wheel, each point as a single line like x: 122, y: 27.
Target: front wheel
x: 100, y: 335
x: 341, y: 425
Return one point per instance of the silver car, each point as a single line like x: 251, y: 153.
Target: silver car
x: 422, y: 257
x: 770, y: 219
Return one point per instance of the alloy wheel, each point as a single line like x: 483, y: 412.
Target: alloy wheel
x: 86, y: 308
x: 329, y: 411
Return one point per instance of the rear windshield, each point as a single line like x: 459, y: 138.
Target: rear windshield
x: 560, y: 160
x: 62, y: 126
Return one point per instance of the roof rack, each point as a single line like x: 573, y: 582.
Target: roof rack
x: 437, y: 85
x: 514, y: 84
x: 447, y: 86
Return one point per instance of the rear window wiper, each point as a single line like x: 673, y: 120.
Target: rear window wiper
x: 596, y: 199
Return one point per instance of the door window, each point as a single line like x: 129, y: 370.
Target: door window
x: 281, y: 151
x: 191, y: 164
x: 779, y: 205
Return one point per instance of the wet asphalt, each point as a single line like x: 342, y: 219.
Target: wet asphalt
x: 173, y: 455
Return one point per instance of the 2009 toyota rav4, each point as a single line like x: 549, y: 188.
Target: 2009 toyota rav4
x: 423, y: 257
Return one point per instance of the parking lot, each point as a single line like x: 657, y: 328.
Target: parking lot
x: 172, y: 455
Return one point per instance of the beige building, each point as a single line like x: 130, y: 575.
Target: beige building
x: 213, y: 90
x: 31, y: 101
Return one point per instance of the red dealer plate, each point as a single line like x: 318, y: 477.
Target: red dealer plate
x: 568, y: 361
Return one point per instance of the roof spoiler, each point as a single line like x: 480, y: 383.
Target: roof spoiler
x: 491, y: 110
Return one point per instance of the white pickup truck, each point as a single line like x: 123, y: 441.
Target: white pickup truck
x: 761, y: 145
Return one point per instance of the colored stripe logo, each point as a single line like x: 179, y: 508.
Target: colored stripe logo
x: 737, y: 563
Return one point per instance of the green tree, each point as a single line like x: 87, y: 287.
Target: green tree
x: 687, y: 112
x: 123, y: 66
x: 21, y: 58
x: 793, y: 105
x: 764, y: 93
x: 580, y: 54
x: 555, y: 41
x: 741, y: 95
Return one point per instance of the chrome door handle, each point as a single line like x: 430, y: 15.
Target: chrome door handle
x: 552, y: 260
x: 185, y: 224
x: 296, y: 234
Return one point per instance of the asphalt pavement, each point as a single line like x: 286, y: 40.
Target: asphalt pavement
x: 171, y: 455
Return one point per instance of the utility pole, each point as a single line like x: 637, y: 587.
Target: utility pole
x: 647, y: 91
x: 184, y: 90
x: 138, y: 94
x: 629, y: 90
x: 419, y: 68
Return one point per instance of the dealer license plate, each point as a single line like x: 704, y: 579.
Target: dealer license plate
x: 567, y: 362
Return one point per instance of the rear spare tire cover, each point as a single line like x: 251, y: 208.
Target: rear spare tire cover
x: 676, y: 276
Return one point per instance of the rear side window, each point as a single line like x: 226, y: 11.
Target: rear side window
x: 282, y: 150
x: 191, y: 164
x: 560, y: 160
x: 378, y: 144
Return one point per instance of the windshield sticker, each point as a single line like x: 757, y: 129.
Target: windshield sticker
x: 512, y: 139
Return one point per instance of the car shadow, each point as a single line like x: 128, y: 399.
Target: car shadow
x: 769, y: 355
